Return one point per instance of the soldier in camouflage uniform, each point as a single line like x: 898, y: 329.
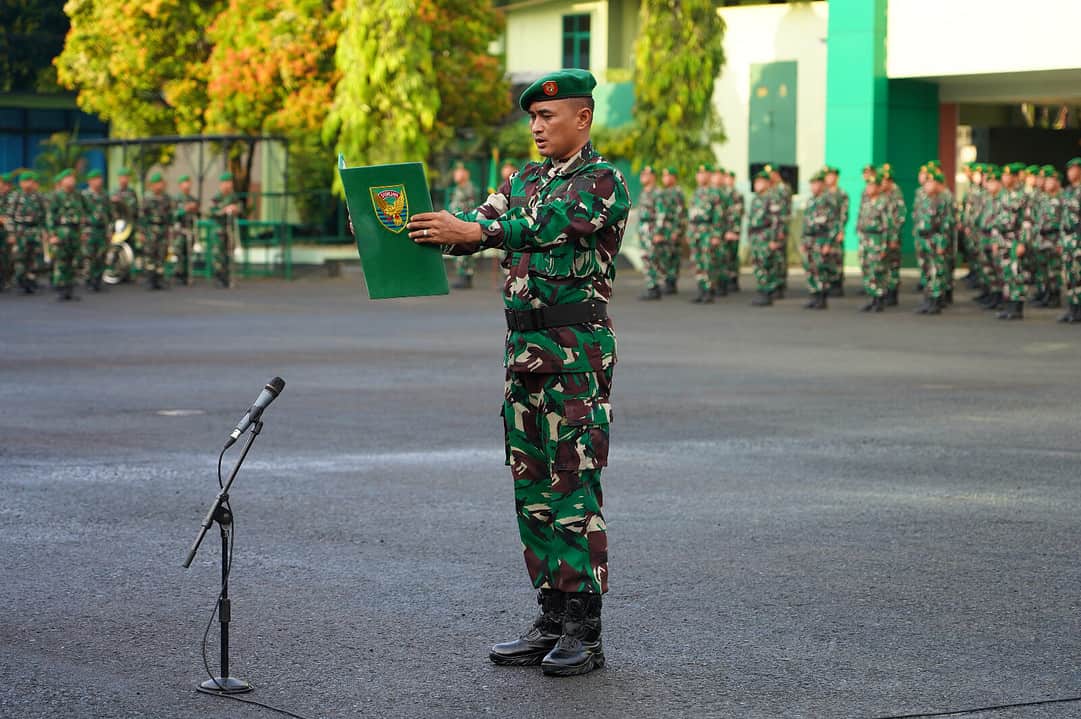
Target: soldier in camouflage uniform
x: 895, y: 201
x: 462, y: 198
x: 187, y: 214
x: 820, y: 227
x: 989, y: 238
x: 704, y: 217
x: 1070, y: 241
x: 1008, y: 218
x: 971, y: 209
x: 875, y: 227
x: 671, y: 211
x: 782, y: 206
x: 931, y: 221
x: 27, y: 212
x: 96, y: 230
x: 767, y: 240
x: 65, y: 219
x: 1046, y: 233
x: 722, y: 271
x: 126, y: 208
x: 733, y: 227
x: 7, y: 234
x: 156, y: 218
x: 226, y: 207
x: 560, y: 224
x: 648, y: 237
x: 837, y: 242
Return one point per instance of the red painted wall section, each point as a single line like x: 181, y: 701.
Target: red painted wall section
x: 948, y: 116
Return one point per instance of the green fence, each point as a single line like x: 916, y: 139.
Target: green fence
x: 266, y: 248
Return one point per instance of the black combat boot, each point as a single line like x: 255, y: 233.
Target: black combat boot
x: 1039, y: 298
x: 982, y: 297
x: 814, y: 302
x: 778, y: 294
x: 703, y: 297
x: 935, y: 305
x: 579, y: 650
x: 924, y: 307
x: 541, y: 638
x: 949, y: 296
x: 465, y: 282
x: 837, y: 289
x: 651, y: 293
x: 1054, y: 299
x: 721, y: 289
x: 762, y: 299
x: 1013, y: 311
x: 1072, y: 315
x: 670, y: 287
x: 891, y: 298
x: 733, y: 286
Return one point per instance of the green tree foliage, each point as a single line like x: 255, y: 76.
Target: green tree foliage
x: 677, y: 58
x: 59, y: 152
x: 139, y: 65
x: 31, y: 35
x: 386, y: 101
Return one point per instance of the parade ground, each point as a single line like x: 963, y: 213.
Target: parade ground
x: 811, y: 514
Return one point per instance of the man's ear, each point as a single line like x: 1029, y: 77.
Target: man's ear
x: 584, y: 118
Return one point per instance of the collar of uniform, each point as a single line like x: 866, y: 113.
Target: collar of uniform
x: 572, y: 163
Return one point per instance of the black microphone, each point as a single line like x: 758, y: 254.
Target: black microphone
x: 268, y: 395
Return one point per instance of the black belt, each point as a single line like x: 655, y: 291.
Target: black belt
x: 556, y: 316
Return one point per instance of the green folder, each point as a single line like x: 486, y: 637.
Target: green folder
x: 381, y: 199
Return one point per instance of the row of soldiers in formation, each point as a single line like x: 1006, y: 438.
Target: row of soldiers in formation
x: 1017, y: 227
x: 67, y: 232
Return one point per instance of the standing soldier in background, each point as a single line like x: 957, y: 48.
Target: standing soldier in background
x: 1034, y: 197
x: 767, y: 244
x: 66, y: 217
x: 7, y: 234
x: 462, y: 199
x: 874, y: 228
x: 950, y: 231
x: 187, y: 214
x: 672, y: 225
x: 820, y: 220
x: 648, y: 236
x: 895, y: 202
x: 721, y: 271
x: 27, y: 212
x: 919, y: 207
x: 1009, y: 213
x: 733, y: 228
x: 1047, y: 232
x: 704, y: 218
x: 226, y: 207
x: 1070, y: 241
x: 156, y: 218
x: 126, y: 208
x: 971, y: 209
x: 783, y: 207
x: 989, y: 236
x: 837, y: 242
x: 98, y: 212
x: 931, y: 223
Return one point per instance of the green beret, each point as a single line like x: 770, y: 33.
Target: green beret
x: 937, y: 176
x: 885, y: 172
x: 28, y: 175
x: 722, y: 170
x: 62, y: 174
x: 1049, y: 171
x: 7, y: 177
x: 92, y: 174
x: 1018, y: 166
x: 154, y: 177
x: 705, y: 167
x: 1032, y: 169
x: 672, y: 170
x: 992, y: 172
x: 869, y: 168
x: 1075, y: 162
x: 184, y: 178
x: 225, y: 177
x: 936, y: 164
x: 832, y: 170
x: 648, y: 168
x: 459, y: 165
x: 559, y: 85
x: 819, y: 176
x: 762, y: 174
x: 123, y: 172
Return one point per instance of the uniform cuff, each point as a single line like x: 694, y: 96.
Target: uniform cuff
x: 493, y: 233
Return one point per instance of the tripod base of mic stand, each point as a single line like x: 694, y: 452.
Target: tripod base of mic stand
x: 225, y: 685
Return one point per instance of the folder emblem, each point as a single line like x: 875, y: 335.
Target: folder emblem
x: 391, y: 206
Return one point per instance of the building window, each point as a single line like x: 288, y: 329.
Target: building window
x: 576, y: 41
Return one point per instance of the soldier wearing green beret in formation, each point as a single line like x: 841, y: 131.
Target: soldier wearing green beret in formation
x: 96, y: 231
x: 7, y: 233
x: 27, y: 210
x: 782, y: 205
x: 126, y: 208
x: 157, y: 214
x: 671, y: 213
x: 932, y: 223
x: 226, y: 208
x: 722, y: 270
x: 767, y: 240
x: 832, y: 175
x: 648, y: 237
x: 704, y: 218
x: 733, y: 227
x: 1006, y: 226
x: 968, y: 231
x: 463, y: 197
x: 989, y: 239
x: 1046, y: 236
x: 1070, y: 241
x: 65, y: 219
x: 560, y: 224
x: 874, y: 226
x: 895, y: 203
x: 821, y: 217
x: 187, y: 214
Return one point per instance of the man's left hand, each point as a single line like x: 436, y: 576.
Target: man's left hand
x: 443, y: 228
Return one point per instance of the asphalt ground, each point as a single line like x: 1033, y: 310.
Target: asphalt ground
x: 811, y: 514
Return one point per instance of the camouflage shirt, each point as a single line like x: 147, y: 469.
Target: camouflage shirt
x: 219, y: 202
x: 98, y: 209
x: 66, y: 209
x: 560, y: 225
x: 1071, y: 210
x: 1007, y: 213
x: 27, y: 208
x: 974, y: 203
x: 840, y: 199
x: 821, y: 218
x: 764, y: 216
x: 185, y: 216
x: 126, y: 205
x: 705, y: 209
x: 875, y: 215
x: 157, y: 210
x: 464, y: 197
x: 932, y: 215
x: 1048, y: 220
x: 647, y: 214
x: 671, y: 209
x: 895, y: 201
x: 733, y: 211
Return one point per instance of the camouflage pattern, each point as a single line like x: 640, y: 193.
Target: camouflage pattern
x: 65, y: 218
x: 1033, y: 198
x: 560, y: 225
x: 671, y: 209
x: 950, y: 213
x: 766, y: 238
x: 27, y: 211
x: 156, y: 217
x: 462, y: 199
x: 837, y: 244
x: 932, y: 223
x: 821, y: 225
x: 875, y: 227
x: 734, y: 207
x: 647, y: 229
x: 187, y: 214
x: 1046, y: 236
x: 7, y: 240
x: 782, y: 208
x: 1008, y: 215
x: 98, y: 217
x: 920, y: 207
x: 1070, y: 241
x: 705, y: 215
x: 972, y: 209
x: 991, y: 243
x: 895, y: 201
x: 226, y: 235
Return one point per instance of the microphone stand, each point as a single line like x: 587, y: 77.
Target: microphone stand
x: 220, y: 513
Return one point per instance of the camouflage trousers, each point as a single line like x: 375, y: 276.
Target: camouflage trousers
x: 651, y: 261
x: 821, y: 267
x: 970, y: 247
x: 465, y: 265
x: 731, y: 259
x: 874, y: 264
x: 7, y: 258
x: 923, y: 257
x: 27, y: 253
x: 67, y: 256
x: 556, y: 432
x: 97, y: 242
x: 893, y: 262
x: 157, y: 249
x: 937, y: 264
x: 767, y: 264
x: 708, y: 259
x: 1047, y: 271
x: 1071, y: 267
x: 1013, y: 271
x: 837, y: 255
x: 670, y: 259
x: 223, y: 256
x: 183, y: 239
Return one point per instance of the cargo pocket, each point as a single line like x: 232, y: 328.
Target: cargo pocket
x: 582, y: 441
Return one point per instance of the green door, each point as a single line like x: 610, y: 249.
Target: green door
x: 773, y: 113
